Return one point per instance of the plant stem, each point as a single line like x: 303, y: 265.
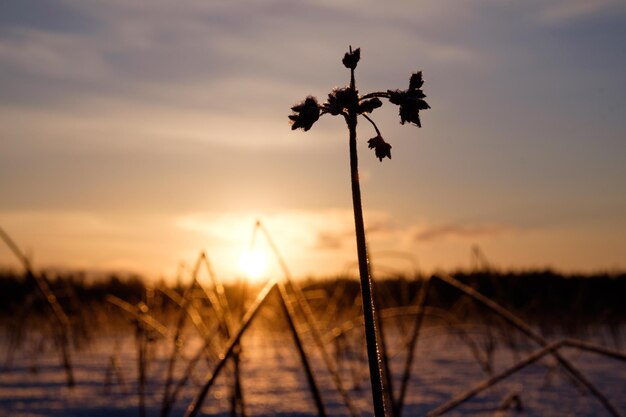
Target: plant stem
x: 373, y: 352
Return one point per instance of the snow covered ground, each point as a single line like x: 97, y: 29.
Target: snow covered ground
x: 274, y: 383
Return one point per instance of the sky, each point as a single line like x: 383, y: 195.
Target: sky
x: 135, y: 134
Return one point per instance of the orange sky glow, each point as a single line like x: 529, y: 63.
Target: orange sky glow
x: 136, y: 135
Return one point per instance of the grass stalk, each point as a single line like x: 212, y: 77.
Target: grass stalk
x: 62, y: 332
x: 460, y: 399
x: 312, y: 323
x: 177, y: 344
x: 196, y: 404
x: 207, y: 350
x: 219, y: 302
x: 533, y: 335
x: 406, y: 374
x: 290, y: 316
x: 549, y: 349
x: 589, y: 347
x: 140, y: 341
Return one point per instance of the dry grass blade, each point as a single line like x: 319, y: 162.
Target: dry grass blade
x: 144, y: 323
x: 192, y: 312
x: 195, y: 405
x: 177, y: 343
x: 590, y: 347
x: 142, y: 347
x: 207, y: 350
x: 114, y: 370
x: 460, y: 399
x: 222, y: 305
x: 312, y: 324
x: 143, y: 317
x: 452, y: 324
x: 406, y: 374
x: 219, y: 302
x: 63, y: 333
x: 333, y: 304
x: 289, y: 314
x: 528, y: 331
x: 16, y: 331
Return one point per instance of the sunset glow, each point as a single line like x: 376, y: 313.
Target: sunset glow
x: 253, y: 264
x: 136, y: 135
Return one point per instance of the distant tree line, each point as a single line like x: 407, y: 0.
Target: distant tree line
x: 534, y: 295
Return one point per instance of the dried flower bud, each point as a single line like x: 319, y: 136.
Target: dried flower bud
x: 381, y: 148
x: 350, y: 59
x: 368, y: 106
x: 410, y: 101
x: 305, y: 114
x: 341, y: 100
x: 416, y: 81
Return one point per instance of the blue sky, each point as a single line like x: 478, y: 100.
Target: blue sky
x: 134, y: 134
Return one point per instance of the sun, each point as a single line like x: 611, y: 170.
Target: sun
x: 253, y: 264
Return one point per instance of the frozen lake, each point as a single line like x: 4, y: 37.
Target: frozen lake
x: 274, y: 383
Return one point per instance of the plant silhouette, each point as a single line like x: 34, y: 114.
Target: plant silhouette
x: 347, y: 102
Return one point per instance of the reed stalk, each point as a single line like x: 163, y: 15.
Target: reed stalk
x: 290, y: 316
x: 207, y: 350
x: 140, y: 342
x: 533, y: 335
x: 540, y: 353
x: 62, y: 328
x: 311, y: 322
x: 196, y: 404
x: 406, y: 375
x: 177, y: 343
x: 221, y: 306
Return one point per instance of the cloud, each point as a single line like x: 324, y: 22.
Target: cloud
x: 378, y: 227
x: 564, y: 10
x: 53, y: 55
x: 330, y: 241
x: 461, y: 231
